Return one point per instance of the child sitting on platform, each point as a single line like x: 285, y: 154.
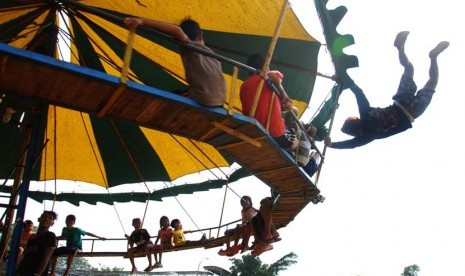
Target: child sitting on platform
x: 263, y: 228
x: 204, y: 74
x: 141, y: 239
x: 241, y: 231
x: 178, y: 235
x: 27, y: 233
x: 165, y: 235
x: 73, y: 244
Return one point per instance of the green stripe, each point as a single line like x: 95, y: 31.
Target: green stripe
x: 148, y: 71
x: 13, y: 137
x: 118, y: 164
x: 124, y: 197
x: 296, y: 59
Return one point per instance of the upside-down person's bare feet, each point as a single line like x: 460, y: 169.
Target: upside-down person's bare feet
x: 401, y: 38
x: 438, y: 49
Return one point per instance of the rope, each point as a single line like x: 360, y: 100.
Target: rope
x: 227, y: 177
x: 217, y: 166
x: 101, y: 171
x: 69, y: 36
x: 96, y: 44
x: 321, y: 105
x: 131, y: 159
x: 269, y: 55
x: 127, y: 57
x: 184, y: 209
x: 134, y: 164
x: 232, y: 92
x: 333, y: 115
x: 12, y: 171
x: 268, y: 119
x: 55, y: 155
x: 153, y: 32
x: 45, y: 163
x: 204, y: 165
x: 222, y: 209
x: 195, y: 157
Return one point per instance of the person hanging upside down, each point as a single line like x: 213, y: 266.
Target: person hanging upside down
x: 379, y: 123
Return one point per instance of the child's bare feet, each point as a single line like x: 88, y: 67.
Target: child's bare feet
x: 401, y: 37
x: 438, y: 49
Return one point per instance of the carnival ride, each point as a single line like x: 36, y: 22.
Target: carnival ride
x: 110, y: 116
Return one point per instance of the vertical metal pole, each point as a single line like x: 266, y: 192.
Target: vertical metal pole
x: 232, y: 93
x: 23, y: 192
x: 268, y: 56
x: 339, y: 91
x: 9, y: 213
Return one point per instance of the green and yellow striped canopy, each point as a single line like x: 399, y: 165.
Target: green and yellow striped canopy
x: 80, y: 146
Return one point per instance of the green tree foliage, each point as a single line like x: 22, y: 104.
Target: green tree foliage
x: 110, y: 269
x: 82, y: 264
x: 411, y: 270
x: 78, y: 264
x: 253, y: 266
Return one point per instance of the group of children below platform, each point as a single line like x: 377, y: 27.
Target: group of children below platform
x: 207, y: 86
x: 40, y: 251
x: 258, y: 223
x: 169, y: 237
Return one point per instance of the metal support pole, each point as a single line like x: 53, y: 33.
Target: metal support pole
x: 23, y: 192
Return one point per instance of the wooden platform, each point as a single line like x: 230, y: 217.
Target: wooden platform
x: 42, y: 78
x: 208, y: 244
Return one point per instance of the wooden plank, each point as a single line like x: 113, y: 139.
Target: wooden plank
x: 83, y: 89
x: 237, y: 134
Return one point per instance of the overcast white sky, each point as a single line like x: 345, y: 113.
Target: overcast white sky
x: 390, y: 204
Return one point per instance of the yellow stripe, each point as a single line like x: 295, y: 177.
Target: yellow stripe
x: 26, y: 35
x: 255, y: 17
x: 75, y: 159
x: 182, y: 160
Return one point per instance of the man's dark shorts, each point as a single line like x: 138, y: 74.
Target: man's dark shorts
x: 66, y: 251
